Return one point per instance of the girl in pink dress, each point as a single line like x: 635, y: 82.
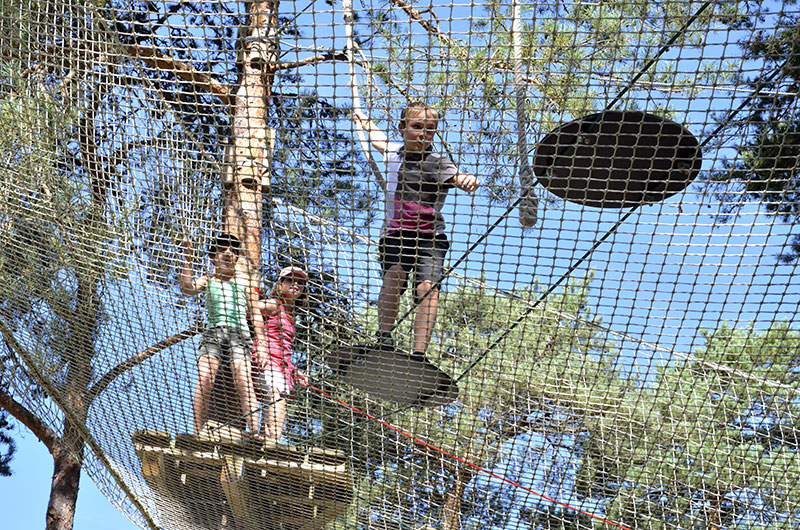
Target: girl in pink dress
x: 274, y: 377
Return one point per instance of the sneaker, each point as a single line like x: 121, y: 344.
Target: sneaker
x: 384, y: 342
x: 418, y: 356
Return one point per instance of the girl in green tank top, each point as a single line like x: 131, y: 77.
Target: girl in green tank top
x: 227, y: 336
x: 226, y: 304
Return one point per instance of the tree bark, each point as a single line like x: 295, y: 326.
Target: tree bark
x: 451, y: 510
x: 248, y: 165
x: 64, y: 488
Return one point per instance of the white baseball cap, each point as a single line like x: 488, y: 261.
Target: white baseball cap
x: 292, y: 271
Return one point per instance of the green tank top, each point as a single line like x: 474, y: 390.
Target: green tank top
x: 226, y: 304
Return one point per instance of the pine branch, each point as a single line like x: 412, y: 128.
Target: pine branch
x: 164, y: 62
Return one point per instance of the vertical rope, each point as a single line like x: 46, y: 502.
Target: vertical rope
x: 347, y: 13
x: 528, y: 206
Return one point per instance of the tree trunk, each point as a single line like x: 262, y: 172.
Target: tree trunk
x: 68, y: 451
x: 248, y: 165
x: 64, y: 489
x: 451, y: 511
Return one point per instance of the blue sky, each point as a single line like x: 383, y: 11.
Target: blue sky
x: 24, y: 495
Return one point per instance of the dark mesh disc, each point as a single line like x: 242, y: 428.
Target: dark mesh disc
x: 617, y: 159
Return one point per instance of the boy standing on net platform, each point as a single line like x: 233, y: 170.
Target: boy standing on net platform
x: 413, y: 237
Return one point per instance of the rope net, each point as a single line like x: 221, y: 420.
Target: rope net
x: 628, y: 366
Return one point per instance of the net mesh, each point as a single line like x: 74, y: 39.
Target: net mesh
x: 629, y: 367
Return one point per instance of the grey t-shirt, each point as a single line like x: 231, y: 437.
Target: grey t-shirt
x: 416, y: 188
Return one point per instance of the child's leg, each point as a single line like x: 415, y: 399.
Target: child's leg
x: 264, y: 431
x: 394, y: 280
x: 207, y: 367
x: 263, y: 403
x: 425, y: 317
x: 240, y: 368
x: 276, y: 416
x: 429, y: 271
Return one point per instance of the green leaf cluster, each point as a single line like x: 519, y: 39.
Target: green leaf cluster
x: 720, y: 447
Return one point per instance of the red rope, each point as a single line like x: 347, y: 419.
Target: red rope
x: 463, y: 461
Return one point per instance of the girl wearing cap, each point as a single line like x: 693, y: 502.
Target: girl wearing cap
x: 274, y: 376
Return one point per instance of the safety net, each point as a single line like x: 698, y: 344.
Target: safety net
x: 385, y: 264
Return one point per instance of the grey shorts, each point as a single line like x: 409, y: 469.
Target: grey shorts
x: 418, y: 253
x: 225, y: 344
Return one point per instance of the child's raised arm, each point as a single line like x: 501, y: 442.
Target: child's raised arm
x: 189, y: 285
x: 377, y: 137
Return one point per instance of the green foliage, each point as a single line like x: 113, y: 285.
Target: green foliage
x: 766, y: 170
x: 44, y: 211
x: 722, y: 446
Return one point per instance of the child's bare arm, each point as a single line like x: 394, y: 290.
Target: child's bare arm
x: 255, y: 307
x: 377, y: 137
x: 300, y: 378
x: 189, y: 285
x: 466, y: 182
x: 271, y: 306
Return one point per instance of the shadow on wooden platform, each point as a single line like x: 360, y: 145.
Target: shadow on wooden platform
x: 225, y: 479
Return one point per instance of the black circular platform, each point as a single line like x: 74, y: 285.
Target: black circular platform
x: 617, y: 159
x: 393, y: 376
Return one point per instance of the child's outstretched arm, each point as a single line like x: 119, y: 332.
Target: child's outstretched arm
x: 189, y: 285
x: 466, y: 182
x: 377, y: 137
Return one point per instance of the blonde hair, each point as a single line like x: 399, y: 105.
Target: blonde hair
x: 419, y: 106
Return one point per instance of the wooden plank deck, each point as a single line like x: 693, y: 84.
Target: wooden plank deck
x: 222, y: 479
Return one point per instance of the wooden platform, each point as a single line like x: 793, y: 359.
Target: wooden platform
x: 222, y: 479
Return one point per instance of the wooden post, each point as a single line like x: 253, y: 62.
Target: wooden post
x: 247, y: 165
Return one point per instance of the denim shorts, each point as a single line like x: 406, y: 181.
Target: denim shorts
x: 421, y: 254
x: 225, y: 344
